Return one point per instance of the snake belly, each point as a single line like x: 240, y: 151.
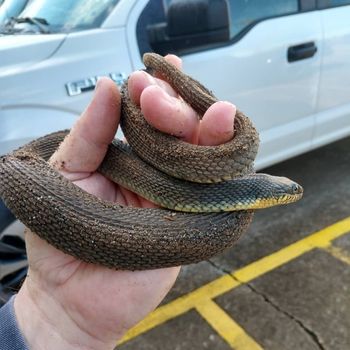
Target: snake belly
x: 119, y: 237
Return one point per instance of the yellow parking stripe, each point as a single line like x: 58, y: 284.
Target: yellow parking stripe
x: 320, y: 239
x: 338, y: 253
x: 182, y: 305
x: 270, y: 262
x: 226, y: 327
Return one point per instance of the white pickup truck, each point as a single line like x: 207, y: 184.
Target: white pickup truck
x: 285, y: 63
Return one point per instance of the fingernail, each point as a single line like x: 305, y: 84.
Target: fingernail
x: 229, y: 104
x: 150, y: 80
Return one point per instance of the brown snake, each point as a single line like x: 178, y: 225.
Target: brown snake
x: 121, y: 237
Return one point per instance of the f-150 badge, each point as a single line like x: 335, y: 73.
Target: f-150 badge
x: 77, y: 87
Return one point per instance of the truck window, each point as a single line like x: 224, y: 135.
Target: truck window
x: 332, y: 3
x: 154, y: 25
x: 154, y: 12
x: 11, y: 8
x: 244, y: 13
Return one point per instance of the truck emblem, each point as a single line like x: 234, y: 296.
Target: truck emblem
x: 77, y: 87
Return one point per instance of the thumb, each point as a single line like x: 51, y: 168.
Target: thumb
x: 85, y: 146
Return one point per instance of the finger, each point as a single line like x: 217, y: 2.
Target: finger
x: 139, y: 80
x: 217, y: 125
x: 175, y: 60
x: 169, y: 114
x: 86, y: 145
x: 173, y: 116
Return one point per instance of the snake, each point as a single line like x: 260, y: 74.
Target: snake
x: 207, y: 194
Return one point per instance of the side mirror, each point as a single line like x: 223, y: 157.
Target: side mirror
x: 191, y: 25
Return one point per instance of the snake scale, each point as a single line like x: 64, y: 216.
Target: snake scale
x: 210, y: 191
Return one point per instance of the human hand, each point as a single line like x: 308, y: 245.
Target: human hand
x: 67, y: 304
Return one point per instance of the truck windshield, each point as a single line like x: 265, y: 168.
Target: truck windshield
x: 11, y: 8
x: 68, y: 15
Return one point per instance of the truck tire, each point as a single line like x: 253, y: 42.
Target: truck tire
x: 13, y: 257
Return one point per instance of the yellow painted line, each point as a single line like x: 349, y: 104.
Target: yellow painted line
x: 226, y: 327
x: 182, y: 305
x: 320, y: 239
x: 338, y: 253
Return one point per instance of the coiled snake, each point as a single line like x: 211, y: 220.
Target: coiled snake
x: 209, y: 209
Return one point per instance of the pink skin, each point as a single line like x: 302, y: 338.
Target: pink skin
x: 81, y: 306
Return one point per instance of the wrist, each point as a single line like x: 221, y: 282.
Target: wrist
x: 45, y: 324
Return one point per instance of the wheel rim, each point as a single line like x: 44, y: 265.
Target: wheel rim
x: 13, y: 260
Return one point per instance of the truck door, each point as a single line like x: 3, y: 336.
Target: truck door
x: 267, y: 62
x: 333, y: 118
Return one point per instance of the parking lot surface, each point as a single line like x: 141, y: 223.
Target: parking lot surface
x: 284, y: 285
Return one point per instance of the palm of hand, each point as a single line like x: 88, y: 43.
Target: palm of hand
x: 95, y: 297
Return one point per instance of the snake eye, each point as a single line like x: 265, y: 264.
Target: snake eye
x: 296, y: 189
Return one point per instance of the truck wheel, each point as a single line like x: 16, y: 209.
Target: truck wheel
x: 13, y: 257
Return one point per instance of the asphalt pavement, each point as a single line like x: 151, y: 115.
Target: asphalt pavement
x: 285, y: 285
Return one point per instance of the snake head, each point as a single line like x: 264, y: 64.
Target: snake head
x: 277, y: 190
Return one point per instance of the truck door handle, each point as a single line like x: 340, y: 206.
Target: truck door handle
x: 300, y: 52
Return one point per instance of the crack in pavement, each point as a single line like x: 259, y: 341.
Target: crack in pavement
x: 312, y: 335
x: 308, y: 331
